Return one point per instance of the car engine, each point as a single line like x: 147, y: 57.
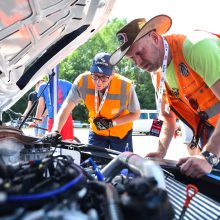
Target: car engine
x: 37, y: 181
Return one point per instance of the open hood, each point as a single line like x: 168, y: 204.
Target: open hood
x: 36, y: 35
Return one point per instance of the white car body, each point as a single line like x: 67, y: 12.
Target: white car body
x: 37, y: 35
x: 144, y: 123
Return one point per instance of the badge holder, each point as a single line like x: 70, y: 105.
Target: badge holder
x: 157, y: 123
x: 156, y: 127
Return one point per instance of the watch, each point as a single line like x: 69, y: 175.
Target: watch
x: 211, y: 158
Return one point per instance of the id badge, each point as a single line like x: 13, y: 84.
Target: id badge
x: 156, y: 127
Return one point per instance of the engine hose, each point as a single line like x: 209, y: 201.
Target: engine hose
x: 138, y: 165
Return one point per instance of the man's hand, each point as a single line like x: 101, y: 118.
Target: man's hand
x: 102, y: 123
x: 157, y: 154
x: 32, y: 124
x: 53, y: 137
x: 35, y: 123
x: 195, y: 166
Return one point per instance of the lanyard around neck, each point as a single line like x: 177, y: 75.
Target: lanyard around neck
x: 163, y: 75
x: 97, y: 110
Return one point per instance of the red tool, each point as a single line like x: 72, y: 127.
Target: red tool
x: 191, y: 191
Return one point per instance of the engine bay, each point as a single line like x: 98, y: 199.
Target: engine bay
x: 74, y: 181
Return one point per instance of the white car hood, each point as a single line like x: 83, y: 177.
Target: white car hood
x: 36, y: 35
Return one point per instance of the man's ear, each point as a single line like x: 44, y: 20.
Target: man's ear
x: 153, y: 35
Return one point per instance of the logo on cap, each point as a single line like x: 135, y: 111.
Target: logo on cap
x: 140, y: 24
x: 102, y: 61
x: 122, y: 38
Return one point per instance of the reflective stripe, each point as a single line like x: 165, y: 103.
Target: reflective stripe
x: 213, y: 110
x: 83, y: 89
x: 90, y: 91
x: 123, y: 96
x: 113, y: 97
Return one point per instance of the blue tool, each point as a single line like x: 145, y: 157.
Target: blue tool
x: 98, y: 173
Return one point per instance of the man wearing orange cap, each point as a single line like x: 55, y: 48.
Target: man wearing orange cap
x: 188, y: 69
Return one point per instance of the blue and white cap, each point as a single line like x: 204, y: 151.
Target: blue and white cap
x: 101, y: 64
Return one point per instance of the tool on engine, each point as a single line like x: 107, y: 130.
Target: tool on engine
x: 191, y: 191
x: 98, y: 173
